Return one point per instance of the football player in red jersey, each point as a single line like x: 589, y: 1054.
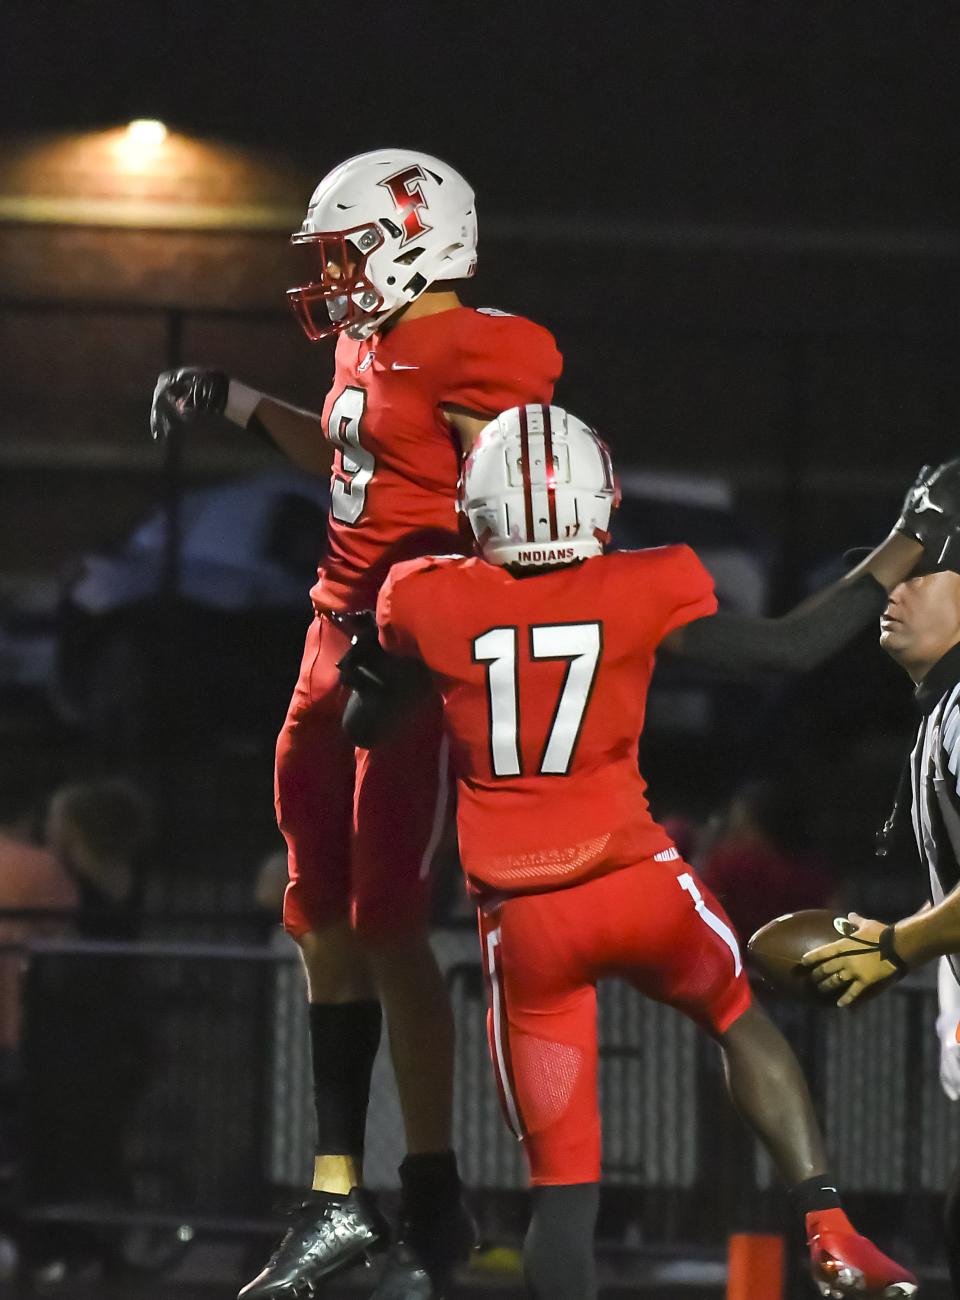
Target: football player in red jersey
x: 417, y: 376
x: 542, y: 650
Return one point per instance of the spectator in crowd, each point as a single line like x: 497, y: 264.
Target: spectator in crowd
x: 99, y: 831
x: 269, y: 889
x: 32, y: 880
x: 88, y: 1068
x: 685, y: 832
x: 761, y: 864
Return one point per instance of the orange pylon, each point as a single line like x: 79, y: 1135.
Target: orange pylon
x: 755, y: 1266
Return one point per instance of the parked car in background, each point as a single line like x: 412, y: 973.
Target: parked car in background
x: 216, y: 654
x: 210, y: 649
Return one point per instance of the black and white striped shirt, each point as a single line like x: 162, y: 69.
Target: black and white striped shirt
x: 935, y: 778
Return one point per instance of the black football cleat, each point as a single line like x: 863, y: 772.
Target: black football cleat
x: 421, y: 1263
x: 328, y: 1233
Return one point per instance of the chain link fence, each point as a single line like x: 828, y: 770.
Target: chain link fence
x: 170, y: 1083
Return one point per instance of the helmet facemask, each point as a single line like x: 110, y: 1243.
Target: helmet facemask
x: 343, y: 287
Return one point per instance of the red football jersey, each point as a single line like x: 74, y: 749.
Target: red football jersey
x: 544, y: 681
x: 397, y: 461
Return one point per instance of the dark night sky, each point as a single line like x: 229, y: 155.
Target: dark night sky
x: 838, y: 113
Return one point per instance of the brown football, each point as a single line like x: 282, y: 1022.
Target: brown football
x: 775, y: 950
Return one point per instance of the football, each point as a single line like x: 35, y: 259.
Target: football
x: 775, y: 950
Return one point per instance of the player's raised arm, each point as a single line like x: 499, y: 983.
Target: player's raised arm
x: 186, y: 395
x: 931, y: 932
x: 823, y: 624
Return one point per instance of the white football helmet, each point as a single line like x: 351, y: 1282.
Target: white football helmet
x: 409, y: 220
x: 538, y: 488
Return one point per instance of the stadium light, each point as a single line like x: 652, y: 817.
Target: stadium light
x: 138, y: 146
x: 144, y: 174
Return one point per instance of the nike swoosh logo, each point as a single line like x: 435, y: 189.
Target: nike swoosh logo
x: 397, y: 365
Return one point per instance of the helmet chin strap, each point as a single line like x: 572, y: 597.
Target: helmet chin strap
x: 363, y: 329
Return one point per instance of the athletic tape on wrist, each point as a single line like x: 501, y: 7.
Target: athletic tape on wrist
x: 241, y: 403
x: 888, y: 950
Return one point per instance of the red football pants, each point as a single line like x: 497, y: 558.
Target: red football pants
x: 655, y: 925
x: 362, y: 826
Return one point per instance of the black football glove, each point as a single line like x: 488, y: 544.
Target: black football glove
x: 364, y: 663
x: 932, y: 506
x: 181, y: 395
x: 368, y: 667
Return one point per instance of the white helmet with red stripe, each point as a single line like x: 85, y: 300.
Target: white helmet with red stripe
x: 380, y: 229
x: 538, y: 488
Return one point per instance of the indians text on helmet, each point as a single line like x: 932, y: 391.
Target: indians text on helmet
x: 404, y: 187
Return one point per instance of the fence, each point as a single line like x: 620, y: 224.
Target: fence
x: 169, y: 1084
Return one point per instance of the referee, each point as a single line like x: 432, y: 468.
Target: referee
x: 920, y: 630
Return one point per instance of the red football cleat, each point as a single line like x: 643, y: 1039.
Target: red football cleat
x: 845, y: 1264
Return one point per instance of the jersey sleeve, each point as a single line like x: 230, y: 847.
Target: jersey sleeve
x: 501, y: 361
x: 397, y: 607
x: 684, y: 589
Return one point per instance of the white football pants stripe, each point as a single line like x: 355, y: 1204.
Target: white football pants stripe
x: 498, y: 1010
x: 687, y: 882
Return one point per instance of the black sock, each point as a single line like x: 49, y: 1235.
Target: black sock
x: 812, y: 1194
x: 558, y: 1250
x: 344, y: 1038
x: 431, y: 1187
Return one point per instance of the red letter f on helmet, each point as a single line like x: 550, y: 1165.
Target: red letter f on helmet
x: 408, y: 196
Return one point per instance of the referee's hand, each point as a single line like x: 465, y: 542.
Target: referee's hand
x: 851, y: 965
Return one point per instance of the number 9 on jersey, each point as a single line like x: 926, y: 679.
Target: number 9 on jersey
x: 348, y: 495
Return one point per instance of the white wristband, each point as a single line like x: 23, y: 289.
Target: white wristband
x: 241, y: 403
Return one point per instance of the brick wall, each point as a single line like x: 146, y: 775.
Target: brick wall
x: 814, y: 364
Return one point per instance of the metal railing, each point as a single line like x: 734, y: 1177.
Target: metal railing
x: 169, y: 1084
